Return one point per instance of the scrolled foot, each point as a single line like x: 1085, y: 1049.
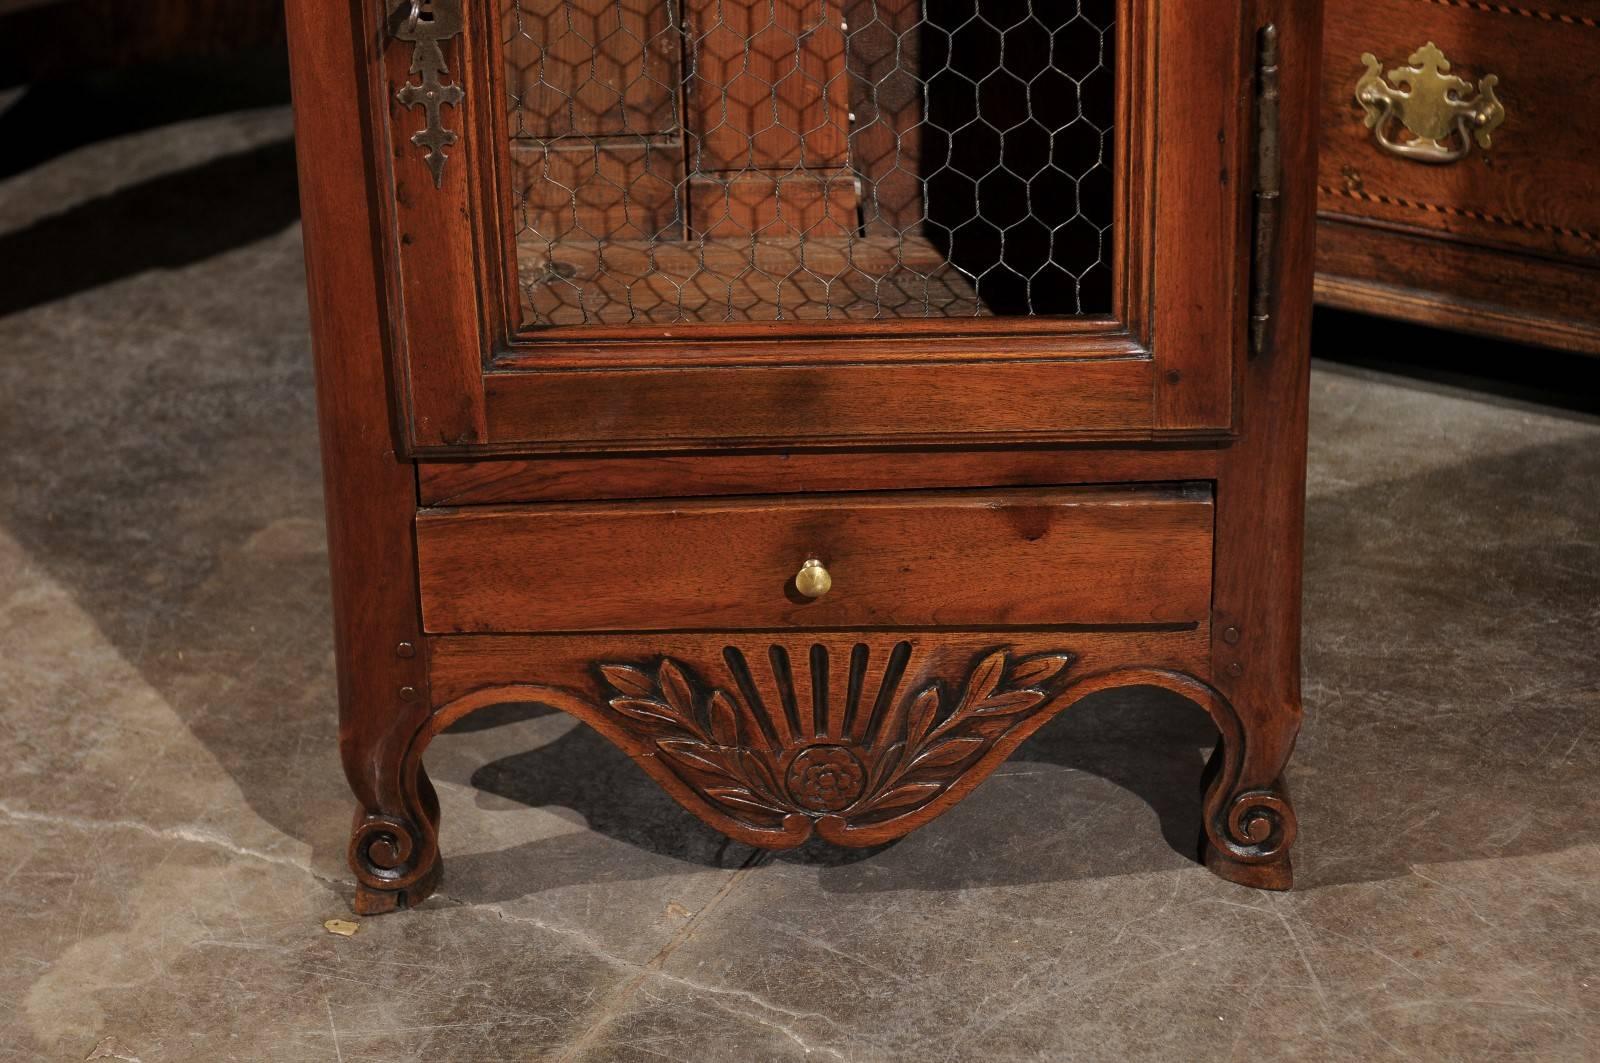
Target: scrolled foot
x: 370, y: 901
x: 396, y: 865
x: 1276, y: 874
x: 1247, y: 839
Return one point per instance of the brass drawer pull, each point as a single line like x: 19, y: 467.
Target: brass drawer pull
x: 813, y: 580
x: 1442, y: 112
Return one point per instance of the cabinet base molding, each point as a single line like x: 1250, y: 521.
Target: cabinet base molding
x: 857, y: 738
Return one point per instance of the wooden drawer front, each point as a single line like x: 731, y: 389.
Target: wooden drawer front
x: 1534, y: 188
x: 1101, y: 556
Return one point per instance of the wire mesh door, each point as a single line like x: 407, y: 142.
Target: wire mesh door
x: 683, y: 161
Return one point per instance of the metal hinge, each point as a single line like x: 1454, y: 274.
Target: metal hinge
x: 1268, y: 191
x: 426, y: 23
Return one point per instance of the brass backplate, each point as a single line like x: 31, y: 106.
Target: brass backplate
x: 1443, y: 114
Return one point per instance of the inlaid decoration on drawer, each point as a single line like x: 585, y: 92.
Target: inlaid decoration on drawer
x: 1522, y: 175
x: 1088, y: 555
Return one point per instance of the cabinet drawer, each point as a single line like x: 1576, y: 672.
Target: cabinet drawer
x: 1097, y: 556
x: 1532, y: 190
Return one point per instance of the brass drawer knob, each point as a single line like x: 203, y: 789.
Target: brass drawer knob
x: 1443, y: 114
x: 813, y: 579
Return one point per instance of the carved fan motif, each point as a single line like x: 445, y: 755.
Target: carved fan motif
x: 784, y: 746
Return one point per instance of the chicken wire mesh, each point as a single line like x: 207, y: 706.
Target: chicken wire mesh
x: 771, y: 160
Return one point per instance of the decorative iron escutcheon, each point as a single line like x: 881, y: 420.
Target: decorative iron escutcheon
x: 426, y: 24
x: 1443, y: 113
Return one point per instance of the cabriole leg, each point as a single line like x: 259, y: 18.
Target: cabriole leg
x: 1249, y: 819
x: 394, y: 850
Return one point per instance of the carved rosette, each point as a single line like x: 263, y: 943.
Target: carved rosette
x: 784, y: 754
x: 826, y: 778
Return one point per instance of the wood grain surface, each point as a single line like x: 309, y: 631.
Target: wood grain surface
x: 1071, y: 556
x: 462, y: 483
x: 667, y: 408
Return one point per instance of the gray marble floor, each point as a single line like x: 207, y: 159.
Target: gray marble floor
x: 172, y: 815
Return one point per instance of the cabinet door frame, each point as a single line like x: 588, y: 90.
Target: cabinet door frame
x: 1164, y: 365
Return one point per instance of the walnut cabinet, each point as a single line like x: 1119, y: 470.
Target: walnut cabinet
x: 814, y: 397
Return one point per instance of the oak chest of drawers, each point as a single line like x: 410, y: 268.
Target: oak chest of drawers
x: 1460, y: 158
x: 813, y: 399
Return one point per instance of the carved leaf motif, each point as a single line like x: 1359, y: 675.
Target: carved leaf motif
x: 756, y: 774
x: 642, y: 709
x: 696, y: 755
x: 750, y: 731
x: 1009, y: 702
x: 738, y: 797
x: 724, y: 720
x: 894, y: 725
x: 985, y: 678
x: 628, y: 680
x: 1031, y: 671
x: 945, y: 754
x: 923, y: 713
x: 914, y: 793
x: 718, y: 743
x: 888, y: 761
x: 678, y: 693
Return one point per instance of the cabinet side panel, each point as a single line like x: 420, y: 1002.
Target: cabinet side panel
x: 370, y: 492
x: 1261, y: 490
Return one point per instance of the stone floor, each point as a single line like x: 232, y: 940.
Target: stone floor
x: 173, y: 818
